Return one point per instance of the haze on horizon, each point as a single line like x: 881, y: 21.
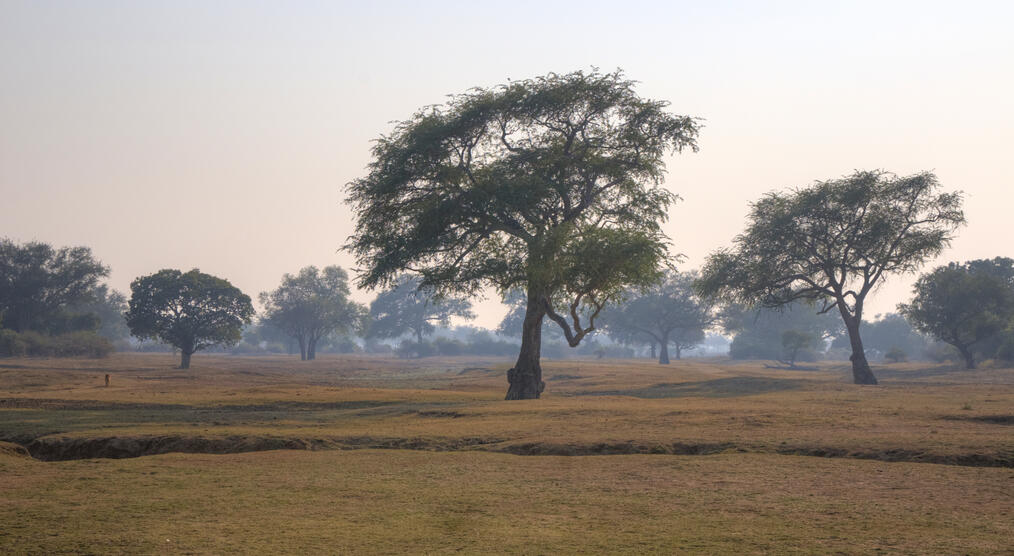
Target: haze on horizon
x: 183, y: 135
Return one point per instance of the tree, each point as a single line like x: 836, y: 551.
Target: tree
x: 833, y: 243
x: 794, y: 341
x: 964, y: 304
x: 550, y: 185
x: 108, y: 305
x: 668, y: 312
x: 312, y: 305
x: 38, y: 285
x: 190, y: 311
x: 760, y: 333
x: 407, y: 307
x: 890, y: 332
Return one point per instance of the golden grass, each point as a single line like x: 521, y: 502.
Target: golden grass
x: 746, y: 499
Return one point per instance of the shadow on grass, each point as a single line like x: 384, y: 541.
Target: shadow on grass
x: 717, y: 388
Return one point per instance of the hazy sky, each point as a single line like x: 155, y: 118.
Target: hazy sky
x: 219, y: 135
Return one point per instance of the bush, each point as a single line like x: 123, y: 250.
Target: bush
x: 74, y: 344
x: 246, y: 348
x: 37, y: 344
x: 447, y: 346
x: 896, y: 355
x: 81, y: 344
x: 941, y: 353
x: 408, y: 349
x: 11, y: 344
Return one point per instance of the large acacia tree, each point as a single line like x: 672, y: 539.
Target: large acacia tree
x: 551, y: 185
x: 832, y: 243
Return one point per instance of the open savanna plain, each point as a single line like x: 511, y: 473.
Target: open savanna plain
x: 367, y: 454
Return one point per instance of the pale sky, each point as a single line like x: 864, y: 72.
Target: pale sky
x: 219, y: 135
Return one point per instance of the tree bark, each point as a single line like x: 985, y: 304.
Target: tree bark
x: 967, y: 355
x: 653, y: 350
x: 185, y: 359
x: 663, y: 352
x: 861, y: 372
x: 311, y: 349
x: 525, y: 378
x: 679, y: 352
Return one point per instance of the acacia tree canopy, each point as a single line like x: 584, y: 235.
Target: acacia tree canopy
x: 832, y: 243
x: 311, y: 305
x: 550, y: 185
x: 191, y: 311
x: 964, y: 304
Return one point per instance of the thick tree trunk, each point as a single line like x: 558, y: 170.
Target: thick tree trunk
x: 679, y: 353
x: 526, y: 377
x: 311, y: 349
x: 967, y: 355
x: 185, y: 359
x: 861, y: 372
x: 653, y: 350
x: 663, y: 353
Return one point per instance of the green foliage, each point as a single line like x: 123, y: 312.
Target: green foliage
x: 832, y: 243
x: 408, y: 307
x: 896, y: 355
x: 759, y: 333
x: 668, y: 312
x: 39, y: 284
x: 550, y: 185
x: 12, y: 344
x: 313, y: 305
x: 191, y: 311
x: 72, y: 344
x: 964, y: 304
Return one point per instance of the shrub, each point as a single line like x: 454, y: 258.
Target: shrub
x: 80, y: 344
x: 896, y: 355
x: 11, y: 344
x: 447, y: 346
x: 408, y: 349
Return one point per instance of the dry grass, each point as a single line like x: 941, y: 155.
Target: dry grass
x: 750, y: 497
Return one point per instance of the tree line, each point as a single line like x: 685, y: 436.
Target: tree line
x: 550, y: 190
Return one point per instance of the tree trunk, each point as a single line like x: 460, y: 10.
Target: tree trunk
x: 302, y: 348
x: 679, y: 352
x: 418, y: 343
x: 311, y: 349
x: 653, y: 350
x: 526, y: 377
x: 968, y: 356
x: 861, y: 372
x: 663, y: 352
x: 185, y: 359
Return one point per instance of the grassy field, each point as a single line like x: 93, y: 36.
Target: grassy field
x: 366, y: 454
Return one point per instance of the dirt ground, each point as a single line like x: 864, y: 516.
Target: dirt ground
x: 369, y: 454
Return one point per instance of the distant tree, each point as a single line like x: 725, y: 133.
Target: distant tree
x: 549, y: 185
x: 39, y: 284
x: 833, y: 243
x: 794, y: 341
x: 409, y: 308
x: 759, y: 333
x: 668, y: 312
x: 190, y: 311
x: 890, y: 332
x: 964, y: 304
x: 108, y: 305
x: 312, y: 305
